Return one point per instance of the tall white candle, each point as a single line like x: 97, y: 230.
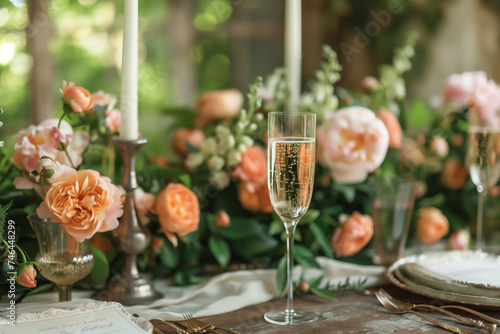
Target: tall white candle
x: 129, y: 127
x: 293, y: 50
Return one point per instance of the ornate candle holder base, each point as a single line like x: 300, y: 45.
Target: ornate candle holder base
x: 131, y: 238
x: 130, y: 290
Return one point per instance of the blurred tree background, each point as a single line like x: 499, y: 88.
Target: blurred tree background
x: 188, y: 47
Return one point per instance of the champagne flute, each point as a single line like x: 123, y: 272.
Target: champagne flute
x: 291, y: 162
x: 483, y: 159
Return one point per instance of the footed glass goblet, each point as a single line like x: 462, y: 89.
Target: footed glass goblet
x: 63, y: 260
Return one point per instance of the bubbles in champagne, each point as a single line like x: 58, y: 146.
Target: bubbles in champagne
x: 291, y: 175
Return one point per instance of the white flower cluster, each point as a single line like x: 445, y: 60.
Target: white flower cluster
x: 222, y: 151
x: 1, y: 123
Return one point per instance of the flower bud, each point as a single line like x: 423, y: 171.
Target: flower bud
x: 228, y: 142
x: 258, y: 117
x: 247, y: 140
x: 233, y: 158
x: 45, y: 167
x: 215, y: 163
x: 459, y: 240
x: 220, y: 179
x: 439, y: 146
x: 209, y: 147
x: 222, y: 219
x: 156, y: 243
x: 222, y: 131
x: 194, y: 160
x: 252, y: 127
x: 303, y: 287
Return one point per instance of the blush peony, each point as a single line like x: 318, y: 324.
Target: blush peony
x: 84, y: 201
x: 178, y: 210
x: 113, y: 120
x: 432, y: 225
x: 78, y: 98
x: 355, y: 232
x: 212, y: 106
x: 352, y: 142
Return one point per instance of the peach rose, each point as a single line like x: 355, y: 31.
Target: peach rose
x: 459, y: 240
x: 256, y: 201
x: 354, y: 233
x: 178, y: 210
x: 212, y: 106
x: 27, y: 277
x: 78, y: 98
x: 432, y: 225
x: 84, y: 201
x: 182, y: 137
x: 252, y: 169
x: 454, y: 174
x: 113, y: 120
x: 391, y: 122
x: 222, y: 219
x: 352, y: 142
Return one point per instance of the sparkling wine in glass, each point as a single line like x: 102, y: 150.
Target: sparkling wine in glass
x: 63, y: 260
x: 483, y: 160
x: 291, y: 162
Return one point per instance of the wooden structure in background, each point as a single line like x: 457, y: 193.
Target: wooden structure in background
x: 38, y: 34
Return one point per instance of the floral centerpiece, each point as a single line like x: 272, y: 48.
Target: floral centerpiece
x: 208, y: 207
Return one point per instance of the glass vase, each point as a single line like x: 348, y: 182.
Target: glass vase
x: 62, y: 259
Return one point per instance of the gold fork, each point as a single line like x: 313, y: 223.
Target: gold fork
x: 203, y: 327
x: 490, y: 327
x: 394, y: 309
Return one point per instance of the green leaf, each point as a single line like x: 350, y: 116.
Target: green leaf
x: 281, y: 276
x: 220, y: 250
x: 304, y: 256
x: 241, y: 228
x: 40, y: 289
x: 253, y: 245
x: 420, y: 114
x: 315, y: 282
x: 434, y: 201
x: 169, y: 255
x: 310, y: 216
x: 100, y: 272
x: 323, y: 242
x: 348, y: 191
x: 324, y: 293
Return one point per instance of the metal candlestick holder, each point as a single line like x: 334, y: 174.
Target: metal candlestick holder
x: 131, y: 238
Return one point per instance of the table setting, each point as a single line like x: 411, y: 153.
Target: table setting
x: 288, y: 209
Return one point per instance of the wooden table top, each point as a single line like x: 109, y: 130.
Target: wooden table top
x: 352, y: 313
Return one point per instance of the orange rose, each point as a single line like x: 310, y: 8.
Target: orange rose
x: 212, y: 106
x: 253, y: 168
x: 257, y: 201
x: 78, y: 98
x: 355, y: 232
x: 102, y: 242
x: 178, y: 210
x: 184, y: 136
x: 454, y: 174
x: 391, y: 122
x: 27, y: 277
x: 84, y: 201
x: 432, y: 225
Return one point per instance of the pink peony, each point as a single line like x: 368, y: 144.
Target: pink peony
x: 352, y: 142
x: 113, y: 120
x: 102, y: 98
x: 473, y: 89
x: 45, y: 139
x: 84, y: 201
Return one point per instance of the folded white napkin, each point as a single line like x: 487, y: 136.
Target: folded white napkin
x: 221, y: 294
